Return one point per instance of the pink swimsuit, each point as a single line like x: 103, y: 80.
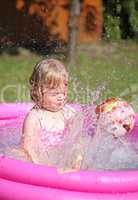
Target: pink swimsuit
x: 49, y: 142
x: 52, y: 138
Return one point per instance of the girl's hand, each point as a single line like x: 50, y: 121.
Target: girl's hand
x: 74, y: 169
x: 66, y: 170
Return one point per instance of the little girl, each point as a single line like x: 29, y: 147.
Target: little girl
x: 46, y: 126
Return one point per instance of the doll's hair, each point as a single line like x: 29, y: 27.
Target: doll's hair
x: 47, y: 74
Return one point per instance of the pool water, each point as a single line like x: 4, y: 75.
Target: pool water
x: 106, y: 154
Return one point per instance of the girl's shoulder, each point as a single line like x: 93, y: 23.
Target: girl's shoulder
x: 31, y: 123
x: 32, y: 116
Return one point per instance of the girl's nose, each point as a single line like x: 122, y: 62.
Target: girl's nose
x: 61, y: 96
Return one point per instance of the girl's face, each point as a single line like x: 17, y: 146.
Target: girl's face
x: 55, y: 99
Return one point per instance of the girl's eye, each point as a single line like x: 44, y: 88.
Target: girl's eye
x: 54, y: 94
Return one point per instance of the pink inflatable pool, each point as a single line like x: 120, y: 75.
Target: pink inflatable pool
x: 20, y: 180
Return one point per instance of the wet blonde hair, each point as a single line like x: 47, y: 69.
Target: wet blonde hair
x: 47, y: 74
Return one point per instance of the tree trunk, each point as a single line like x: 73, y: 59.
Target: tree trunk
x: 73, y: 29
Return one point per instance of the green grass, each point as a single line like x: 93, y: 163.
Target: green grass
x: 113, y: 66
x: 15, y: 72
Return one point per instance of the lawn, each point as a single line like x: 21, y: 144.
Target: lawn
x: 101, y: 70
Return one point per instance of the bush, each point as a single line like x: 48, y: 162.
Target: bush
x: 112, y: 27
x: 120, y: 19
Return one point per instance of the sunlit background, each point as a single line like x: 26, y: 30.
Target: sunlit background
x: 97, y: 40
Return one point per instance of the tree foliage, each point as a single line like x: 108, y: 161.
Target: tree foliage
x: 120, y: 19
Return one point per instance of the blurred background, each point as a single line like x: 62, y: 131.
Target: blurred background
x: 96, y: 39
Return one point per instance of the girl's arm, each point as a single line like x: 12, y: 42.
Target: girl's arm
x: 29, y: 143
